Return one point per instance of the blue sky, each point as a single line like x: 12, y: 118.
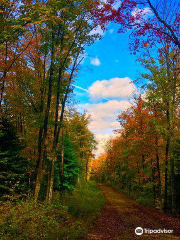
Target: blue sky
x: 105, y: 75
x: 115, y: 58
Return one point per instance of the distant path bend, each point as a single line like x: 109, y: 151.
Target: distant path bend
x: 122, y: 215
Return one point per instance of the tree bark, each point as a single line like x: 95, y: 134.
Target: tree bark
x: 45, y: 125
x: 158, y: 173
x: 166, y: 176
x: 170, y: 119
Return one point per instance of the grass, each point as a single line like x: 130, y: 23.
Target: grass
x: 143, y: 196
x: 68, y: 217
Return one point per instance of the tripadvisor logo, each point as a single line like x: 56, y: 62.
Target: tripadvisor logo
x: 139, y: 231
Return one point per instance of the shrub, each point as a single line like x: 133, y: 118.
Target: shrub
x: 68, y: 217
x: 85, y: 202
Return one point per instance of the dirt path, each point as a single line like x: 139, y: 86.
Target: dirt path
x: 121, y: 216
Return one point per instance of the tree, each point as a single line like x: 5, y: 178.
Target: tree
x: 38, y: 66
x: 66, y: 176
x: 83, y: 140
x: 163, y: 90
x: 14, y: 173
x: 150, y: 21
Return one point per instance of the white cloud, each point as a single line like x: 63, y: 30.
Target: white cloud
x: 147, y: 11
x: 120, y: 88
x: 118, y: 93
x: 143, y: 12
x: 104, y: 120
x: 102, y: 140
x: 97, y: 30
x: 104, y: 115
x: 95, y: 61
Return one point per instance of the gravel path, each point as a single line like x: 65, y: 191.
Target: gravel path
x: 122, y: 216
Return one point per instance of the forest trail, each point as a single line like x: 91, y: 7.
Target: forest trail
x: 122, y: 216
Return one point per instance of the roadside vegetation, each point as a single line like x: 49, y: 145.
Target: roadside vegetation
x: 68, y: 217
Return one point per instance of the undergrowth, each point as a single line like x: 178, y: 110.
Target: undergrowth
x: 68, y: 217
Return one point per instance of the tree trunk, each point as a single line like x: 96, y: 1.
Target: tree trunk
x: 158, y: 173
x: 62, y: 168
x: 58, y: 128
x: 153, y: 182
x: 166, y: 176
x: 45, y: 126
x: 49, y: 193
x: 87, y: 169
x: 170, y: 120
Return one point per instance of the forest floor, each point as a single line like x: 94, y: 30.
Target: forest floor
x: 122, y: 216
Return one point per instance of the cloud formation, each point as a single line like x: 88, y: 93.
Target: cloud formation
x: 114, y: 96
x: 102, y: 140
x: 120, y: 88
x: 104, y: 115
x: 95, y: 61
x: 97, y: 30
x: 144, y: 12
